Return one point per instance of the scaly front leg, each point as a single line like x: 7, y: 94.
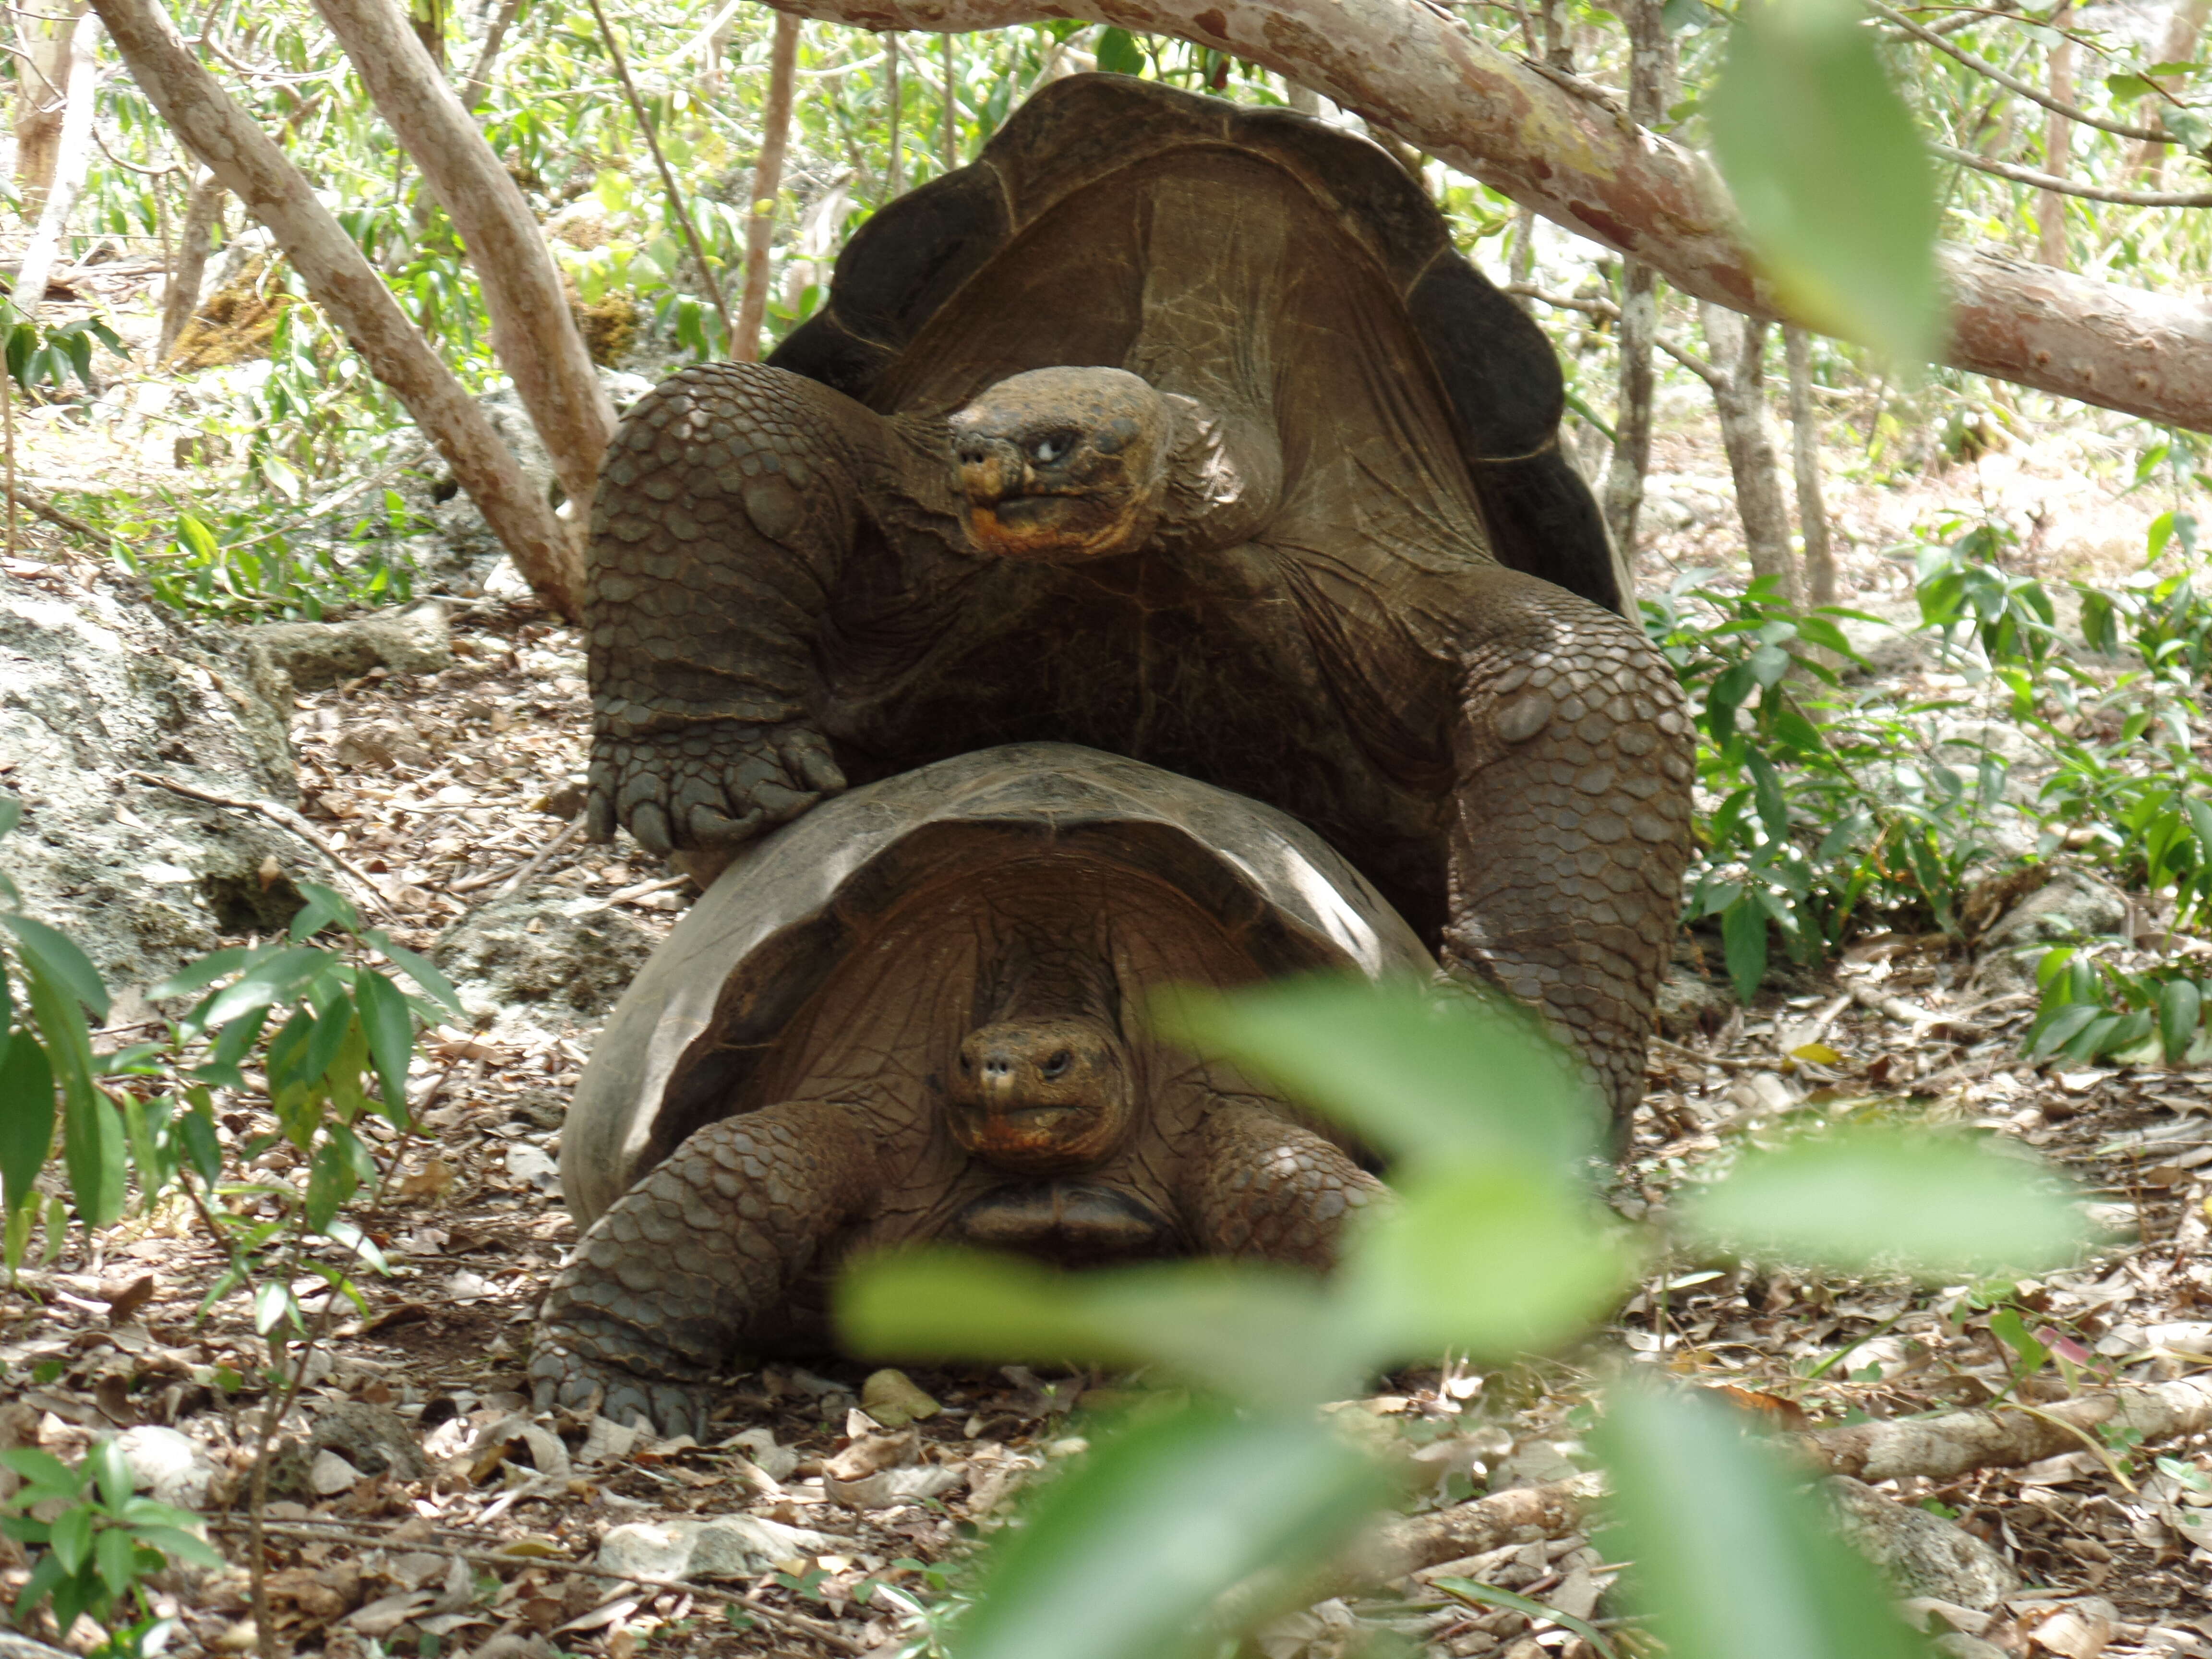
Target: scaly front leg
x: 1267, y: 1188
x: 1571, y: 819
x: 729, y: 501
x: 698, y: 1260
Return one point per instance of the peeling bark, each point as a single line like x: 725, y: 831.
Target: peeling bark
x: 532, y: 333
x: 1579, y: 162
x: 1651, y: 86
x: 348, y: 290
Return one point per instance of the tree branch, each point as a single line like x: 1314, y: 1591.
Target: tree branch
x: 2050, y: 181
x: 532, y: 333
x: 349, y: 290
x: 2012, y: 82
x: 1416, y: 70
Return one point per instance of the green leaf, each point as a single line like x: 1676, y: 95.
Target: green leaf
x: 273, y: 979
x: 26, y: 1118
x: 117, y: 1554
x: 1119, y: 53
x: 175, y: 1540
x: 330, y: 1182
x: 324, y: 905
x: 1426, y: 1071
x: 1935, y: 1205
x: 43, y: 1469
x: 1743, y: 941
x: 92, y: 1134
x: 422, y: 971
x: 1126, y: 1556
x: 273, y: 1304
x: 1253, y: 1331
x: 1497, y: 1258
x: 198, y: 975
x: 389, y: 1025
x: 72, y: 1536
x: 1489, y: 1595
x: 111, y: 1471
x: 2009, y: 1328
x: 1733, y: 1558
x: 56, y: 955
x: 2180, y: 1004
x: 1849, y: 243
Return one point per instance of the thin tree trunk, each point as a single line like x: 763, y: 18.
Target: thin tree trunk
x: 71, y: 158
x: 951, y: 111
x: 2185, y: 28
x: 2057, y: 157
x: 348, y: 288
x: 479, y: 82
x: 1738, y: 348
x: 767, y: 185
x: 44, y: 29
x: 532, y: 333
x: 891, y: 96
x: 202, y: 218
x: 1419, y: 71
x: 1805, y: 455
x: 1651, y: 86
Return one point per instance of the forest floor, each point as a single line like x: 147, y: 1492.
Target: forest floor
x: 443, y: 785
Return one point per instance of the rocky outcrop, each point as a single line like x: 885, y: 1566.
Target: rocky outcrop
x: 316, y: 655
x: 544, y: 948
x: 93, y: 687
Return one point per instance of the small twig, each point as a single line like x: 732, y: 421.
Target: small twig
x: 647, y: 889
x: 2051, y: 181
x: 46, y: 510
x: 667, y: 179
x: 284, y: 818
x: 2013, y: 83
x: 1721, y: 1060
x: 522, y: 877
x: 749, y: 1599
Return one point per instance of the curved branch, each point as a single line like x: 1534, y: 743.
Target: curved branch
x: 1416, y: 70
x: 2051, y: 181
x: 2012, y: 82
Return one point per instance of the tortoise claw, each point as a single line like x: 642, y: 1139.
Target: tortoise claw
x: 562, y: 1378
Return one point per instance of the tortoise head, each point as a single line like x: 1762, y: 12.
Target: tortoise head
x: 1062, y: 464
x: 1044, y: 1095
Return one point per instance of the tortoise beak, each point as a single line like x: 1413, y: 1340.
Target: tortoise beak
x: 991, y: 469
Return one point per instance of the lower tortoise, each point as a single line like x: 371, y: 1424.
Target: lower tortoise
x: 912, y: 1015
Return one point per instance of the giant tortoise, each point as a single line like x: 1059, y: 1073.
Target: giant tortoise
x: 913, y: 1015
x: 1179, y: 430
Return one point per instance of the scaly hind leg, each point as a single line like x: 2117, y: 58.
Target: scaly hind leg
x: 1571, y: 826
x: 697, y: 1261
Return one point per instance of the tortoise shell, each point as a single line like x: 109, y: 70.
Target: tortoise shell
x: 920, y: 313
x: 705, y: 1020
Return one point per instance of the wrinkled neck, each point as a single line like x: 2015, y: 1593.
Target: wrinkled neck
x: 1048, y: 969
x: 1224, y: 477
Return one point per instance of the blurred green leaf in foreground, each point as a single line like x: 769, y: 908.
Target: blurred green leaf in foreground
x: 1836, y: 190
x: 1497, y: 1245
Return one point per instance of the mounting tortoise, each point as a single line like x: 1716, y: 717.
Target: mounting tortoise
x: 1178, y: 430
x: 913, y: 1015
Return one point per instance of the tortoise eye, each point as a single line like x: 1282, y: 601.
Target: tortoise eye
x: 1047, y: 450
x: 1058, y: 1063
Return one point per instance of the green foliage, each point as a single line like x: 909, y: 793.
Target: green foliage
x: 1852, y: 247
x: 102, y: 1540
x: 2091, y: 1009
x: 1494, y: 1245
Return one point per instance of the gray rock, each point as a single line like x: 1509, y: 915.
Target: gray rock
x: 1689, y: 1003
x: 728, y: 1547
x: 173, y: 1467
x: 582, y: 958
x: 316, y: 655
x: 1920, y: 1553
x: 374, y: 1439
x: 2072, y: 905
x: 93, y: 687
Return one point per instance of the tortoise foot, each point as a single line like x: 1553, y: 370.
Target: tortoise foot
x: 713, y: 785
x: 559, y: 1376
